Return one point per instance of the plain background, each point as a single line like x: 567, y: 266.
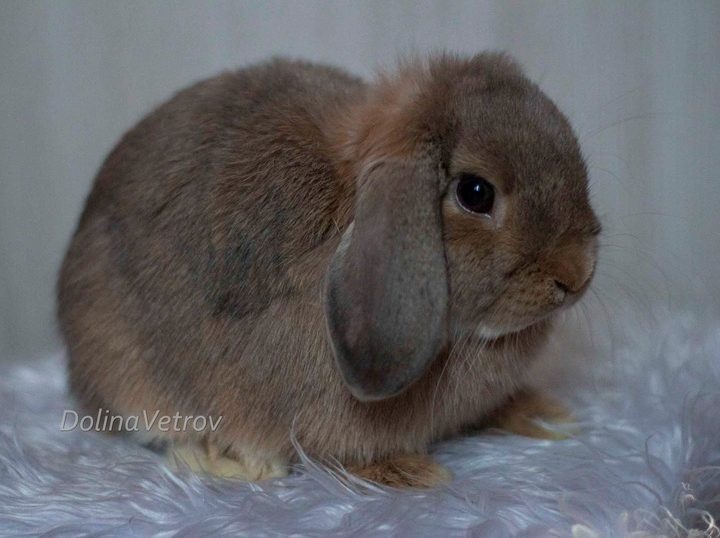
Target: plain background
x: 640, y: 80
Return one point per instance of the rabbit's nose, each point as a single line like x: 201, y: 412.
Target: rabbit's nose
x: 561, y: 286
x: 572, y: 267
x: 574, y: 283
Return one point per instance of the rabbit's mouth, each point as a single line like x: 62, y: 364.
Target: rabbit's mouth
x: 505, y: 318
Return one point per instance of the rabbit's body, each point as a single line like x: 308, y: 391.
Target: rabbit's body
x: 195, y: 282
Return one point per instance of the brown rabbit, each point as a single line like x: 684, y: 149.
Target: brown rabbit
x: 366, y: 268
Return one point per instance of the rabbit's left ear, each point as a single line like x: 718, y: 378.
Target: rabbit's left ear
x: 386, y: 300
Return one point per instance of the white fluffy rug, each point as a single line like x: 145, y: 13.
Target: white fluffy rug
x: 646, y: 460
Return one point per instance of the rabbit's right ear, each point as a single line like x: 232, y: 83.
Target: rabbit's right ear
x: 387, y: 290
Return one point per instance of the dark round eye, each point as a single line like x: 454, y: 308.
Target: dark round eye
x: 475, y: 194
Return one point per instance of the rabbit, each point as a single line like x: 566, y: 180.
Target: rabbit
x: 349, y: 269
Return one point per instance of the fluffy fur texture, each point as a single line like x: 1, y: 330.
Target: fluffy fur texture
x: 646, y: 457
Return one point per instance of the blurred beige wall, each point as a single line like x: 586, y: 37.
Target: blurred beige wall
x: 639, y: 79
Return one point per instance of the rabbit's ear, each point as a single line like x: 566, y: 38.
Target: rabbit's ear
x: 386, y: 300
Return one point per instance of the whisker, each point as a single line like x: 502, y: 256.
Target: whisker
x: 600, y: 130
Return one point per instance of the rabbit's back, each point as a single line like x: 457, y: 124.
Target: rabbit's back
x: 206, y: 213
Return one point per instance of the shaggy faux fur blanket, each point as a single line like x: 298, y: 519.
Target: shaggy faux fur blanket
x: 644, y: 458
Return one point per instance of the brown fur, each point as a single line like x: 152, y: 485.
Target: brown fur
x: 195, y: 281
x: 405, y: 471
x: 522, y: 411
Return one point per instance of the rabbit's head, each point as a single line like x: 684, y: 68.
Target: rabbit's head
x: 471, y: 214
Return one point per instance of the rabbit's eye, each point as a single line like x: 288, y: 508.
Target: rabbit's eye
x: 475, y: 194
